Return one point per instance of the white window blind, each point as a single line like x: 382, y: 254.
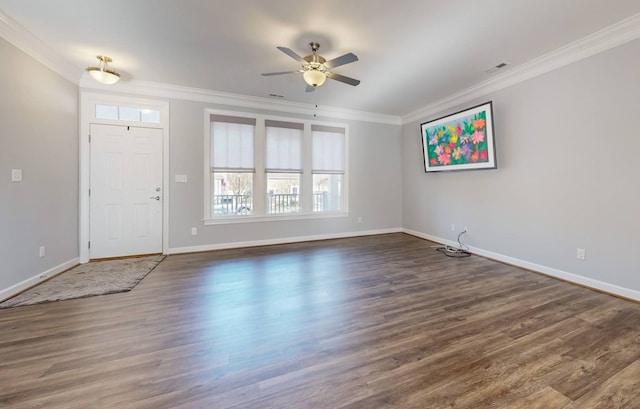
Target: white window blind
x: 328, y: 149
x: 232, y: 143
x: 283, y: 146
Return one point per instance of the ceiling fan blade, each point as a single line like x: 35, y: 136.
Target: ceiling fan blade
x: 291, y: 54
x: 342, y: 60
x: 342, y: 78
x: 267, y: 74
x: 310, y: 88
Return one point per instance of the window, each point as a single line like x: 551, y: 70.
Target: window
x: 283, y: 166
x: 232, y: 165
x: 267, y: 168
x: 121, y: 113
x: 328, y: 168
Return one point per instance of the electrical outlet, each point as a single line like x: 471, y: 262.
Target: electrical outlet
x: 194, y: 231
x: 43, y: 251
x: 581, y: 254
x: 453, y: 227
x: 466, y: 229
x: 360, y: 219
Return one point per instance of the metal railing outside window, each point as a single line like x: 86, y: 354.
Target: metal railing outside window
x: 283, y: 203
x: 320, y: 200
x: 229, y: 205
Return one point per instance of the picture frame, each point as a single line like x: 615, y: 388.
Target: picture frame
x: 461, y: 141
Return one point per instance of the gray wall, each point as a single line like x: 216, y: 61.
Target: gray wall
x: 374, y: 184
x: 567, y: 150
x: 38, y: 134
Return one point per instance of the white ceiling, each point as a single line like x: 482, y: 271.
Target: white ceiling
x: 412, y: 52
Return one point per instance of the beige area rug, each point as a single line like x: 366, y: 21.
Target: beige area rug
x: 86, y: 280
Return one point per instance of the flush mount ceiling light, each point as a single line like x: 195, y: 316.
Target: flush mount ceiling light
x: 102, y: 73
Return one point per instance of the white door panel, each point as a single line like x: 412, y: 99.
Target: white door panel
x: 126, y: 196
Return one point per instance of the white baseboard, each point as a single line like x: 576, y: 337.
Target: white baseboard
x: 538, y: 268
x: 36, y: 279
x: 269, y: 242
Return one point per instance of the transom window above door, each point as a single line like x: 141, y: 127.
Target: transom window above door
x: 129, y: 114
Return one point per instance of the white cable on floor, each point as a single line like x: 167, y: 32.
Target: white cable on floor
x: 461, y: 251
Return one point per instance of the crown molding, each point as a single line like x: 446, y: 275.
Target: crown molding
x: 20, y: 37
x: 613, y: 36
x: 158, y: 90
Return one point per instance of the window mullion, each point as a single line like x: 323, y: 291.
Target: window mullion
x: 208, y: 170
x: 260, y: 177
x: 307, y: 178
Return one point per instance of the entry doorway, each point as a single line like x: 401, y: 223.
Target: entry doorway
x: 125, y: 191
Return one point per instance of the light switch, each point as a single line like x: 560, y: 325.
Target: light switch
x: 181, y: 178
x: 581, y: 254
x: 16, y: 175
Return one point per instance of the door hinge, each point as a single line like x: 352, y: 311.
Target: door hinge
x: 89, y: 138
x: 89, y: 192
x: 89, y: 246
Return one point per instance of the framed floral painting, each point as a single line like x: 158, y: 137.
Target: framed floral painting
x: 460, y: 141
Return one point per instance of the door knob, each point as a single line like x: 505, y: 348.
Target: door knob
x: 155, y: 197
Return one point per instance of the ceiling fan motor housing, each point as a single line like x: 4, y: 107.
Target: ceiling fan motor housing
x: 315, y: 62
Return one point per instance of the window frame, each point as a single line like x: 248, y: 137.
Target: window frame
x: 288, y: 170
x: 259, y: 211
x: 331, y: 169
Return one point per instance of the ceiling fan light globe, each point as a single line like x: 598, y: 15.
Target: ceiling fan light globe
x: 314, y: 78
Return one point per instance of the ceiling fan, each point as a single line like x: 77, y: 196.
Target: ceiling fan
x: 316, y: 69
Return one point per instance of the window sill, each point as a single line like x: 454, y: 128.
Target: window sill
x: 272, y: 218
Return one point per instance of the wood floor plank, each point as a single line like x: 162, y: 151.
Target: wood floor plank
x: 381, y: 322
x: 620, y: 391
x: 546, y: 398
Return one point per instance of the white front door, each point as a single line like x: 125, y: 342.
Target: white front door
x: 125, y: 197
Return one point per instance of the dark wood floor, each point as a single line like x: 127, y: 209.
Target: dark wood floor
x: 371, y: 322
